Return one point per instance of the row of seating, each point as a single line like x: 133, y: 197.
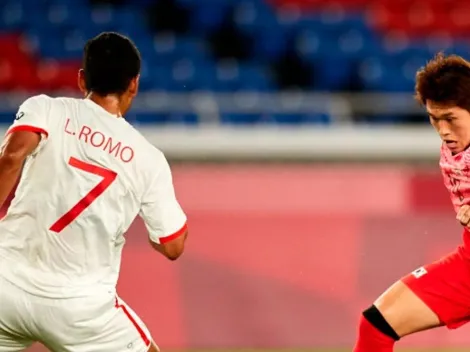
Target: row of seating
x: 230, y: 119
x: 360, y: 45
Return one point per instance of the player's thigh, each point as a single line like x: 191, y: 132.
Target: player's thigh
x: 435, y: 295
x: 110, y: 327
x: 14, y: 315
x: 405, y: 311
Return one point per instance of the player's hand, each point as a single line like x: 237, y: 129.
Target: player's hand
x: 464, y: 215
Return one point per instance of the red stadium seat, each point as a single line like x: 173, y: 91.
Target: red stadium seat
x: 458, y: 19
x: 68, y: 73
x: 10, y: 44
x: 57, y: 76
x: 25, y: 76
x: 6, y: 74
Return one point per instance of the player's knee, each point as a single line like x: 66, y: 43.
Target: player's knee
x: 375, y: 318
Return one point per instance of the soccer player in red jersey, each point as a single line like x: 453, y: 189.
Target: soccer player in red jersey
x: 437, y: 294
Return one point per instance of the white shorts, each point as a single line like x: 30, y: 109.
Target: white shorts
x: 94, y: 324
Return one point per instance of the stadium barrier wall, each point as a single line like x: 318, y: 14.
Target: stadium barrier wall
x: 340, y: 141
x: 294, y: 144
x: 288, y: 255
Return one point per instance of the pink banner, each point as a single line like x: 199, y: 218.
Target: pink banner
x: 288, y: 255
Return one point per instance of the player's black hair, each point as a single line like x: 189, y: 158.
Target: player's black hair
x: 110, y: 62
x: 444, y: 80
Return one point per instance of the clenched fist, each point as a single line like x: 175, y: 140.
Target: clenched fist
x: 464, y: 215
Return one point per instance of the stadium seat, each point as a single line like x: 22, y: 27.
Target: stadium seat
x: 375, y: 46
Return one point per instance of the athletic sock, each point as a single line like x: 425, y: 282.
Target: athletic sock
x: 371, y: 339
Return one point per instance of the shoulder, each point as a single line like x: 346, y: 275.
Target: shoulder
x: 151, y: 158
x: 37, y: 101
x: 143, y: 143
x: 67, y: 101
x: 157, y: 157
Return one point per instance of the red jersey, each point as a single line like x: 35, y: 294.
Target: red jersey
x: 456, y: 172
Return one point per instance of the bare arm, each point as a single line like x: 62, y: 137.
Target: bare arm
x: 172, y: 249
x: 16, y: 148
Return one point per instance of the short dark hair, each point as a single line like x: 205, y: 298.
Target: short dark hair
x: 110, y: 62
x: 444, y: 80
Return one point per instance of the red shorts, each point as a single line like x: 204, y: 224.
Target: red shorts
x: 444, y: 286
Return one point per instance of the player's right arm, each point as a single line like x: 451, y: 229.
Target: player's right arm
x: 162, y: 214
x: 16, y: 148
x: 22, y: 140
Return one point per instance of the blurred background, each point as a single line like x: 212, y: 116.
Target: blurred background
x: 308, y: 172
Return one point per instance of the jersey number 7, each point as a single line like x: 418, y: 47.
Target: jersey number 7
x: 108, y: 178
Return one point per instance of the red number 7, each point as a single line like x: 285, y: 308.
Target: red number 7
x: 108, y: 178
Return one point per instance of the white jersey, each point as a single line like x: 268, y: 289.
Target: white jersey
x: 79, y: 192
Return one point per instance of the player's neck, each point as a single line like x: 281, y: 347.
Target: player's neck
x: 110, y: 103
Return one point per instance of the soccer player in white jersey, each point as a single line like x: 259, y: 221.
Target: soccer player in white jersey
x: 85, y: 174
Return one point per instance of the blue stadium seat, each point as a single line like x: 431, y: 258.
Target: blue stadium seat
x: 332, y: 73
x: 47, y: 44
x: 140, y: 3
x: 183, y: 118
x: 317, y: 118
x: 12, y: 15
x: 251, y: 16
x: 379, y: 74
x: 298, y: 118
x: 254, y: 77
x: 185, y: 75
x: 73, y: 43
x: 241, y: 119
x: 74, y: 14
x: 6, y: 118
x: 161, y: 78
x: 227, y: 76
x: 188, y: 47
x: 341, y: 47
x: 147, y: 118
x: 208, y: 15
x: 141, y: 118
x: 131, y: 20
x: 270, y: 43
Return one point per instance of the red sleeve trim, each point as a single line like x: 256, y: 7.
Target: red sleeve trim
x: 28, y: 129
x: 175, y: 235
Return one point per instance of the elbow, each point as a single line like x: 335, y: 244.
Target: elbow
x: 174, y: 252
x: 174, y: 249
x: 174, y: 255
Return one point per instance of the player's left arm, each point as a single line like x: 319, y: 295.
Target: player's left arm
x: 15, y: 149
x: 163, y: 215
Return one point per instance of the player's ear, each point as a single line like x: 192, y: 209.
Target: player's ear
x: 134, y: 86
x: 81, y: 81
